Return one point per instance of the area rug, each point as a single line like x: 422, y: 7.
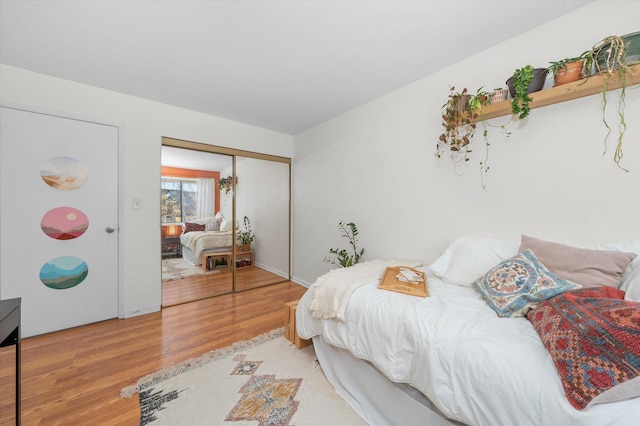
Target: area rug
x: 263, y: 381
x: 178, y: 268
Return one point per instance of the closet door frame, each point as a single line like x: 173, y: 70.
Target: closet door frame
x: 215, y: 149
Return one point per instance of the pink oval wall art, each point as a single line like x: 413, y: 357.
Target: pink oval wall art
x: 64, y: 173
x: 64, y: 223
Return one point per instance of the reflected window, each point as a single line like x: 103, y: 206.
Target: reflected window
x: 178, y: 200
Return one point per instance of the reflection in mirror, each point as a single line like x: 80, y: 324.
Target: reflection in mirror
x: 196, y: 225
x: 262, y: 196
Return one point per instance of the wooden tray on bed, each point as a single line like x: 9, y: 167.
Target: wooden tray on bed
x: 390, y: 282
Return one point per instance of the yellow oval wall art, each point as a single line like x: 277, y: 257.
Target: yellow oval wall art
x: 64, y: 173
x: 64, y: 223
x: 63, y: 272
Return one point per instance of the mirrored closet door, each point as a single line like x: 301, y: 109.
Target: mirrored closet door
x: 193, y: 226
x: 225, y: 221
x: 262, y: 212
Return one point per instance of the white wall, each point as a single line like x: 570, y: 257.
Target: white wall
x: 143, y: 123
x: 375, y: 165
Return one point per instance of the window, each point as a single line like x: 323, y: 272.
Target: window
x: 178, y: 200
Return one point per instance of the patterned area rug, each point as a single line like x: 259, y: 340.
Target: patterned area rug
x: 263, y: 381
x: 178, y: 268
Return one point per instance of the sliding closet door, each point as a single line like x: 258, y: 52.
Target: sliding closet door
x: 196, y: 225
x: 262, y: 196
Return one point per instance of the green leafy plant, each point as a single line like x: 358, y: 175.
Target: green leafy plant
x: 556, y: 66
x: 520, y: 102
x: 225, y: 184
x: 246, y: 235
x: 342, y: 257
x: 480, y: 99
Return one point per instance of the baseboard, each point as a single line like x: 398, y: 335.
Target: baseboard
x: 301, y: 282
x: 273, y: 271
x: 141, y: 311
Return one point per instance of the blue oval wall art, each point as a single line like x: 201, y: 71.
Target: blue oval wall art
x: 63, y: 272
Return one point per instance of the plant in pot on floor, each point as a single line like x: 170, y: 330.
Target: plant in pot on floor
x: 245, y: 236
x: 342, y: 257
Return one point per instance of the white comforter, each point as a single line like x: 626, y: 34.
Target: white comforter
x: 476, y: 367
x: 199, y: 241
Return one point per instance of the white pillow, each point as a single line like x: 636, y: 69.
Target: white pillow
x: 219, y: 215
x: 469, y: 258
x: 225, y: 225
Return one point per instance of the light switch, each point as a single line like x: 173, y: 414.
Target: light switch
x: 136, y: 204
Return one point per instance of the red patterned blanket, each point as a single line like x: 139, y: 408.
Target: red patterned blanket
x: 593, y: 337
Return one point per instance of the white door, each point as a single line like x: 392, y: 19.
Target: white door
x: 58, y: 219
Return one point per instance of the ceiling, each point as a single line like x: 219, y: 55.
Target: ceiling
x: 280, y: 65
x: 197, y: 160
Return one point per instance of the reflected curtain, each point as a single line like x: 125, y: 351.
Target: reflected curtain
x: 206, y: 197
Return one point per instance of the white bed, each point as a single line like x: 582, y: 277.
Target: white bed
x: 475, y: 367
x: 195, y: 243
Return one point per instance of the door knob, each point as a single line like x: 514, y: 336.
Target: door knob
x: 110, y: 230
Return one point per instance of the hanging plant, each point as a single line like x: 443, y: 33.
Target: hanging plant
x: 524, y: 81
x: 520, y: 103
x: 460, y: 114
x: 609, y: 56
x: 458, y: 126
x: 225, y: 184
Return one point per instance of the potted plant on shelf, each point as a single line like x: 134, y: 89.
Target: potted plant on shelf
x: 477, y: 101
x: 458, y: 126
x: 525, y: 80
x: 568, y: 69
x: 459, y: 118
x: 610, y: 56
x: 245, y: 236
x: 498, y: 95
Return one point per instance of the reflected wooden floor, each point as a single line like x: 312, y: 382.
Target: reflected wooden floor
x: 74, y: 377
x: 199, y: 287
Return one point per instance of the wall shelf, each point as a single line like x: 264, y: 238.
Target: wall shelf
x: 566, y: 92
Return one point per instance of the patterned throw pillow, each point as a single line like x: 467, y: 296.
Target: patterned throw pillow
x: 190, y: 227
x: 213, y: 226
x: 592, y: 337
x: 518, y: 284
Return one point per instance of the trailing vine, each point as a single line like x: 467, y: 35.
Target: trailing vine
x: 520, y: 103
x: 609, y: 55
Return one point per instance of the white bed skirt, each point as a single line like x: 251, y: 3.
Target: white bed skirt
x: 375, y: 398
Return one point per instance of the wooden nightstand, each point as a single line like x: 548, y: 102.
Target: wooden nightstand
x: 290, y: 331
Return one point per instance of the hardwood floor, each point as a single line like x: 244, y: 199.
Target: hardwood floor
x: 74, y: 377
x: 201, y: 286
